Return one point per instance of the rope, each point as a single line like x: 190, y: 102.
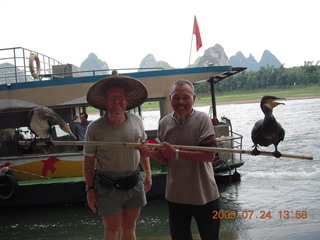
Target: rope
x: 28, y: 173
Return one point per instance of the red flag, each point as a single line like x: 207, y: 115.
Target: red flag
x: 196, y: 32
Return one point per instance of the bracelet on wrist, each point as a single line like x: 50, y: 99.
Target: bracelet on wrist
x: 88, y: 188
x: 177, y: 154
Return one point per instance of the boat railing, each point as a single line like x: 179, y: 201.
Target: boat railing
x: 237, y: 138
x: 227, y: 138
x: 226, y: 161
x: 63, y: 73
x: 233, y: 141
x: 15, y: 65
x: 24, y: 65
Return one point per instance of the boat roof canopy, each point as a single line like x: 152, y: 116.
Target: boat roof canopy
x: 217, y: 78
x: 221, y: 76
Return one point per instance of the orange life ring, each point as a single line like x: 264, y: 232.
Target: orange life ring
x: 34, y: 57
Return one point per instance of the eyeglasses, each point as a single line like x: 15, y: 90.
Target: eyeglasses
x: 113, y: 98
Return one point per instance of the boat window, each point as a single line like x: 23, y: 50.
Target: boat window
x: 93, y: 113
x: 14, y: 129
x: 151, y: 114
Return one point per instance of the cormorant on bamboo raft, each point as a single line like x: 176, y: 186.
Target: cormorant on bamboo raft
x: 41, y: 119
x: 268, y: 131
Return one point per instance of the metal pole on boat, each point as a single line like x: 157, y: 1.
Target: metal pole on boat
x: 213, y: 98
x: 180, y: 147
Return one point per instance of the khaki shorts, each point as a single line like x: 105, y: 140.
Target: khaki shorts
x: 112, y: 201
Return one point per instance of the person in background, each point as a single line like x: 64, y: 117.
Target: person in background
x: 191, y: 189
x: 115, y: 189
x: 80, y: 127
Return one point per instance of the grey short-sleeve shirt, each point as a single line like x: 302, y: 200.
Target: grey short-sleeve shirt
x: 115, y: 158
x: 188, y: 182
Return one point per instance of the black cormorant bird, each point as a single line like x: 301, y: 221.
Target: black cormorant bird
x: 41, y: 119
x: 268, y: 131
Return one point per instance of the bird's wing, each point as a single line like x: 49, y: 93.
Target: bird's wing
x: 47, y: 113
x: 50, y: 115
x: 30, y: 116
x: 256, y: 131
x: 281, y: 133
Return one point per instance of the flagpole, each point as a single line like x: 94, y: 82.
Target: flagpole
x: 191, y: 44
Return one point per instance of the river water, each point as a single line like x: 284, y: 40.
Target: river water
x: 272, y: 193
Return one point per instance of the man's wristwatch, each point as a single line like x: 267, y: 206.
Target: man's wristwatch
x: 88, y: 188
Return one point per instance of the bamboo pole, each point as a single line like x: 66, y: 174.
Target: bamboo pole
x: 180, y: 147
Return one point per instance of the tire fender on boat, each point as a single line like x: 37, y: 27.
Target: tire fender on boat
x: 34, y: 57
x: 8, y: 186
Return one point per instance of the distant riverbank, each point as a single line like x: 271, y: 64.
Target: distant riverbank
x: 250, y: 101
x: 207, y: 101
x: 252, y: 96
x: 248, y: 96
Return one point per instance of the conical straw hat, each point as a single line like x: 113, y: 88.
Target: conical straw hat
x: 136, y: 91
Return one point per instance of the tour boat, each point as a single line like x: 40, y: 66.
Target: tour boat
x: 31, y: 175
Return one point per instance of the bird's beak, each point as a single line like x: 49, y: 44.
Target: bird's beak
x: 275, y: 102
x: 68, y: 130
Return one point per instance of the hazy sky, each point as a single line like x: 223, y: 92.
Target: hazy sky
x: 123, y: 32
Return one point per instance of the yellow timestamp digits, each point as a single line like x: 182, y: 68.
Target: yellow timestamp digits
x: 232, y: 214
x: 293, y: 214
x: 263, y: 214
x: 250, y: 214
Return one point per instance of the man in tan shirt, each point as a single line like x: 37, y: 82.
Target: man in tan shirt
x: 191, y: 189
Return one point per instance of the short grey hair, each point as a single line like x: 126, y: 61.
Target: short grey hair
x: 181, y: 83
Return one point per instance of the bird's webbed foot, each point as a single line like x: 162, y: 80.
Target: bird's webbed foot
x: 277, y: 154
x: 49, y: 144
x: 255, y: 151
x: 34, y: 141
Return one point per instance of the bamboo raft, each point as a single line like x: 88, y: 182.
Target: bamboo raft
x: 180, y: 147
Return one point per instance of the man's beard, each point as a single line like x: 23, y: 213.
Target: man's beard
x: 180, y: 118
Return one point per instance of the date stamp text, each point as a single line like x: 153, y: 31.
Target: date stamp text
x: 263, y: 214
